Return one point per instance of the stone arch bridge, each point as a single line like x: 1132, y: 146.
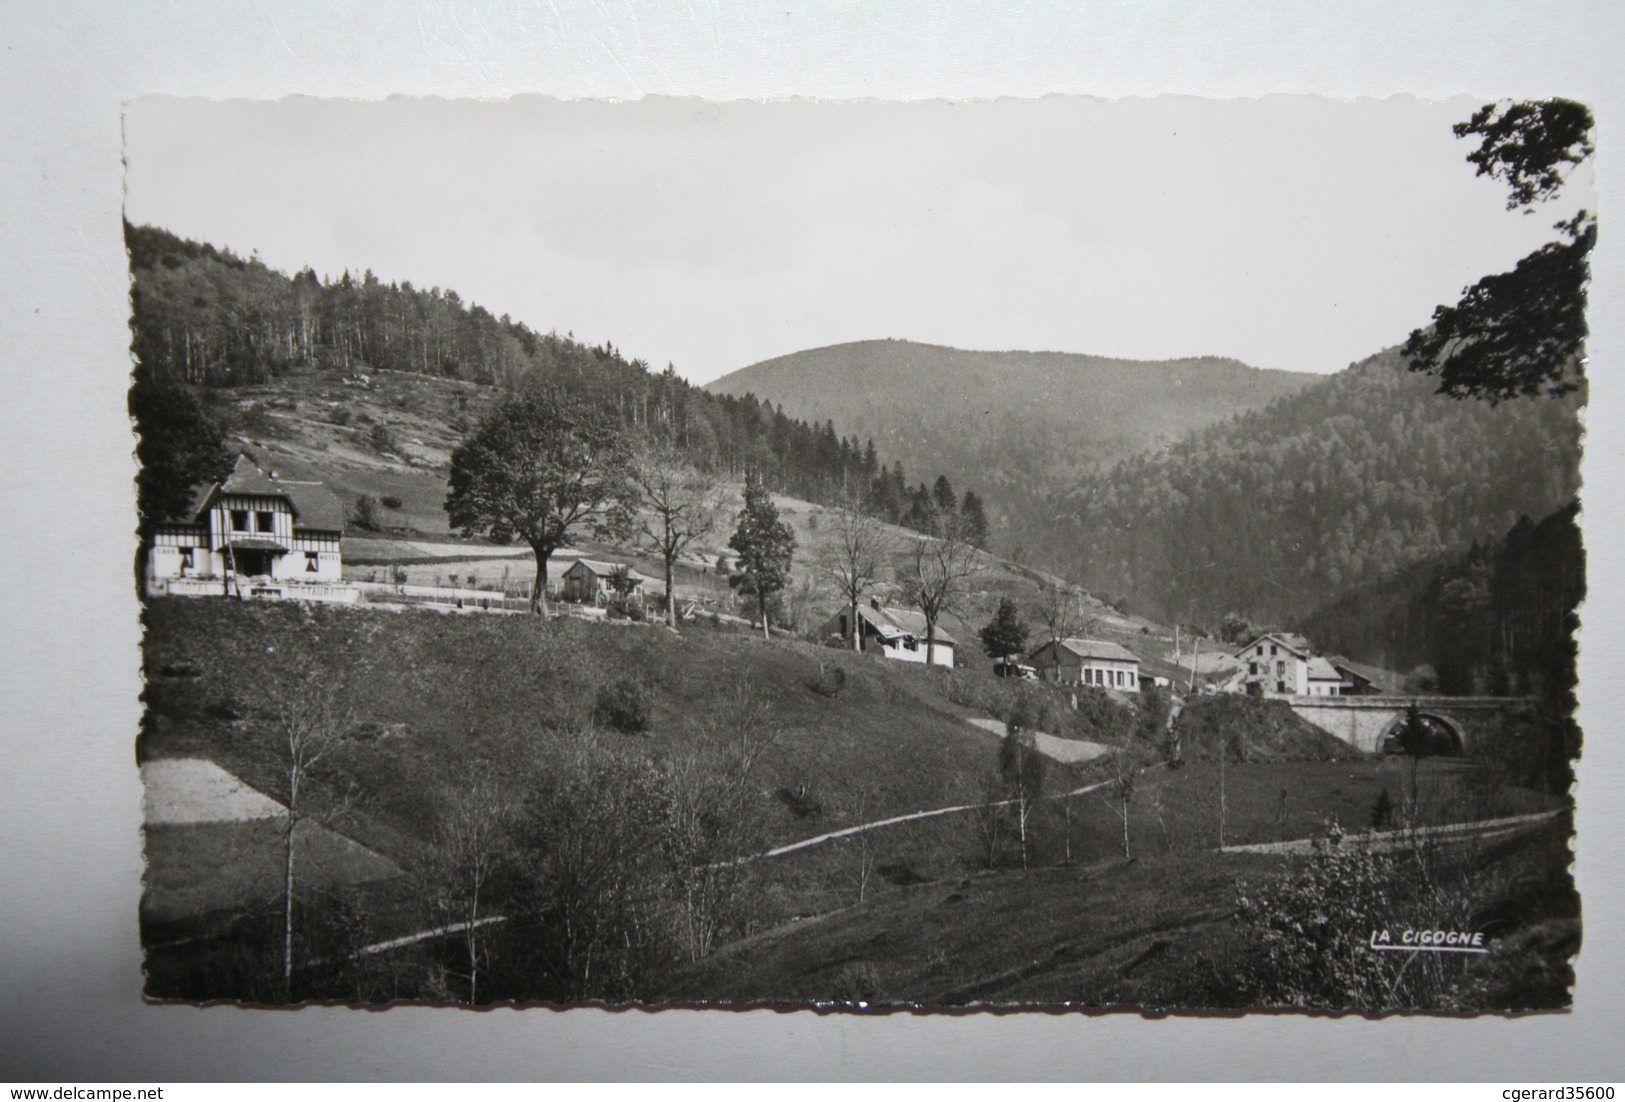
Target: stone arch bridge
x: 1365, y: 722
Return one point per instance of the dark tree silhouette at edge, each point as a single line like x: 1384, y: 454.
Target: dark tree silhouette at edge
x: 1519, y: 333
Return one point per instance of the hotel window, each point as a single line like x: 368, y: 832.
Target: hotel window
x: 1280, y: 669
x: 239, y: 520
x: 264, y: 522
x: 313, y: 562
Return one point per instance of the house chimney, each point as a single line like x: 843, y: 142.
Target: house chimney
x: 874, y: 603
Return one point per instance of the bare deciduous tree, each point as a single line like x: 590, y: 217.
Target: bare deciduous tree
x: 470, y: 845
x: 1022, y: 767
x: 707, y: 836
x: 683, y: 504
x: 1121, y: 782
x: 933, y: 574
x: 856, y: 557
x: 744, y: 723
x: 987, y: 814
x: 1060, y: 609
x: 863, y: 842
x: 310, y: 728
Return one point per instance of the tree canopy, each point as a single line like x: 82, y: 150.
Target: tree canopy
x: 180, y: 446
x: 1519, y: 333
x: 538, y: 466
x: 1530, y: 146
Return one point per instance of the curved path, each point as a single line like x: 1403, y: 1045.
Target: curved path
x: 1384, y: 841
x: 1065, y: 750
x: 913, y: 817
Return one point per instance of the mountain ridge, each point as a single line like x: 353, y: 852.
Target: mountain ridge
x: 1021, y: 425
x: 1276, y: 513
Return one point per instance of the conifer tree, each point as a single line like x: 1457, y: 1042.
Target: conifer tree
x: 765, y: 545
x: 1005, y: 635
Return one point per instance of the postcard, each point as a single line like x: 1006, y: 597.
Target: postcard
x: 1022, y: 554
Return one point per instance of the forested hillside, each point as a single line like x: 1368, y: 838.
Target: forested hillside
x: 206, y: 319
x: 1020, y: 426
x: 1277, y: 512
x: 1494, y: 619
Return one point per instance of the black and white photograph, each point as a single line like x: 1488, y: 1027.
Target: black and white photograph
x: 1048, y: 553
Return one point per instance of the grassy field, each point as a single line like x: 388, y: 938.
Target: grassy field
x: 196, y: 868
x: 1165, y: 932
x: 430, y: 692
x: 429, y: 700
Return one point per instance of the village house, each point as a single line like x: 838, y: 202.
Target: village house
x: 252, y: 535
x: 594, y: 582
x: 897, y: 633
x: 1358, y: 684
x: 1284, y: 664
x: 1092, y: 662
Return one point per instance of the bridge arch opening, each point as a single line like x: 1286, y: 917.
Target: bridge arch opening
x: 1443, y: 736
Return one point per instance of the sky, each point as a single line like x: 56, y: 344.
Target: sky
x: 1288, y: 232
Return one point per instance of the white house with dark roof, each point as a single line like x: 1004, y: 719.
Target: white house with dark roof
x: 252, y: 535
x: 897, y: 633
x: 1284, y: 664
x: 1095, y: 662
x: 1325, y: 679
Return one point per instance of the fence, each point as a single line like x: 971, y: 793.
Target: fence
x: 484, y: 600
x: 253, y: 590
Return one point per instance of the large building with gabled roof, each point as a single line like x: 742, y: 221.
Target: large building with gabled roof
x: 1283, y: 664
x: 251, y: 534
x: 1096, y: 662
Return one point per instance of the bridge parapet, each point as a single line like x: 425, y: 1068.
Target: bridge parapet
x: 1364, y: 722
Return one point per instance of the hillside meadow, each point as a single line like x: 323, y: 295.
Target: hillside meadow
x: 593, y: 738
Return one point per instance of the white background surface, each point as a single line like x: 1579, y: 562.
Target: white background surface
x: 69, y: 659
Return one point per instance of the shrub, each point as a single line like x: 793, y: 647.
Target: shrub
x: 381, y: 438
x: 254, y: 419
x: 857, y: 984
x: 366, y: 512
x: 622, y: 705
x: 1312, y: 928
x: 342, y: 415
x: 390, y: 501
x: 829, y: 681
x: 1382, y: 812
